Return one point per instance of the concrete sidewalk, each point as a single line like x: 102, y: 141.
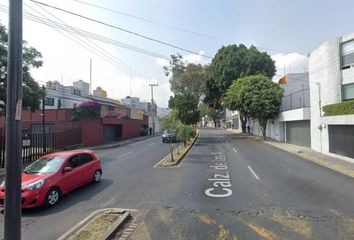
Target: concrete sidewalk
x: 336, y: 164
x: 120, y: 143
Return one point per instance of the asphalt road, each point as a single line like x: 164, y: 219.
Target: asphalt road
x: 228, y: 187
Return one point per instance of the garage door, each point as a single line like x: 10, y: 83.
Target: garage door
x: 341, y: 139
x: 298, y: 132
x: 112, y: 133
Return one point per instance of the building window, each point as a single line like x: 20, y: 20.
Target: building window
x: 49, y: 101
x: 347, y: 54
x: 348, y: 91
x: 76, y: 92
x: 59, y: 103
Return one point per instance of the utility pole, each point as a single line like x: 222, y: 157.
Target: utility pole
x: 44, y: 140
x: 152, y: 107
x: 13, y: 157
x: 90, y: 77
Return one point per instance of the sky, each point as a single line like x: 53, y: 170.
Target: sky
x: 287, y: 30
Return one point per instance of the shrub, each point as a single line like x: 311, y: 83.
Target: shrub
x: 343, y: 108
x: 87, y: 110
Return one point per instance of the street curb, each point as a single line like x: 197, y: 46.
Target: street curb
x: 113, y: 145
x: 116, y: 227
x: 315, y: 160
x: 180, y: 159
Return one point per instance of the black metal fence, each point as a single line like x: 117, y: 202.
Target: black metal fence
x: 298, y: 99
x: 35, y: 145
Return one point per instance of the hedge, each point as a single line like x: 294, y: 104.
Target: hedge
x: 343, y: 108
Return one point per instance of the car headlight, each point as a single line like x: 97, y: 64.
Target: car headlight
x: 35, y: 185
x: 2, y: 183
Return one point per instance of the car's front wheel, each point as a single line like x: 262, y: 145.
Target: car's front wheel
x: 52, y: 197
x: 97, y: 176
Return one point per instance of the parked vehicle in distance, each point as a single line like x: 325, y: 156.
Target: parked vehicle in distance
x: 169, y: 137
x: 56, y: 174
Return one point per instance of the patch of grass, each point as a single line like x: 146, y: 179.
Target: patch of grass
x: 97, y: 227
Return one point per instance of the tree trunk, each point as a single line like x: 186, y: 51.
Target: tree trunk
x: 171, y: 152
x: 263, y: 124
x: 214, y: 120
x: 243, y: 122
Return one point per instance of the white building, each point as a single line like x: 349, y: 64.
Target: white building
x: 59, y: 96
x: 84, y: 87
x: 331, y: 73
x: 293, y: 122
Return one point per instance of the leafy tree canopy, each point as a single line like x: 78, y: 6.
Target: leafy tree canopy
x: 186, y: 106
x: 32, y: 92
x: 256, y: 95
x: 185, y: 78
x: 231, y: 63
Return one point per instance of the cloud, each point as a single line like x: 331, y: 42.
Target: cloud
x: 161, y: 62
x: 194, y: 58
x: 188, y: 58
x: 289, y: 63
x: 119, y: 87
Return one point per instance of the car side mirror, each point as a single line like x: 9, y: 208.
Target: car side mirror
x: 67, y: 169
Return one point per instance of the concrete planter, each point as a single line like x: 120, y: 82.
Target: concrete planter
x: 107, y: 234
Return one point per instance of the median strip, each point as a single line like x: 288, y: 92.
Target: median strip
x: 178, y: 154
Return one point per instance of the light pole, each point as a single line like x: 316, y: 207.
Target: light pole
x: 44, y: 140
x: 152, y: 106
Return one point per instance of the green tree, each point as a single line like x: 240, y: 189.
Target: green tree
x: 32, y: 92
x: 231, y: 63
x: 213, y: 113
x: 171, y: 124
x: 257, y: 96
x: 186, y: 106
x: 186, y: 78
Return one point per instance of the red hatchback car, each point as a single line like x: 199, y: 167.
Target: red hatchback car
x: 55, y: 174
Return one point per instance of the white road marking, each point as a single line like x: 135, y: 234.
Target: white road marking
x: 234, y: 150
x: 216, y: 153
x: 151, y: 144
x: 254, y: 174
x: 125, y: 154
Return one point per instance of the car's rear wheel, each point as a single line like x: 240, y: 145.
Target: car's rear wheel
x: 52, y: 197
x: 97, y: 176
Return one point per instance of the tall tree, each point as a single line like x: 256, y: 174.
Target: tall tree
x: 257, y: 96
x: 32, y: 92
x: 185, y: 78
x: 231, y: 63
x: 186, y: 106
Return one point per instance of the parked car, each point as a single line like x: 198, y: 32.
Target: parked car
x: 55, y: 174
x: 168, y: 137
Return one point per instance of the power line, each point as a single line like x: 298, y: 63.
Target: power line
x: 168, y: 26
x: 91, y: 35
x: 122, y: 29
x: 149, y: 20
x: 90, y: 48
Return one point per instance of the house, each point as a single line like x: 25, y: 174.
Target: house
x: 59, y: 96
x: 293, y: 122
x: 331, y: 74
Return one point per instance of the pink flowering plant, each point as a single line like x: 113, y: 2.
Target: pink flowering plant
x: 87, y: 110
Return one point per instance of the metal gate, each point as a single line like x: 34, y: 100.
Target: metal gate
x: 298, y: 133
x: 341, y: 140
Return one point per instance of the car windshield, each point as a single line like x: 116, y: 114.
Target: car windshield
x: 45, y: 165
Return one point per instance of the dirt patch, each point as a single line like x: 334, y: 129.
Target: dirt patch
x: 98, y: 226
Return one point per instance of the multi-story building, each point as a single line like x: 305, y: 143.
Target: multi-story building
x: 331, y: 73
x: 84, y: 87
x: 99, y: 92
x: 293, y: 122
x: 59, y: 96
